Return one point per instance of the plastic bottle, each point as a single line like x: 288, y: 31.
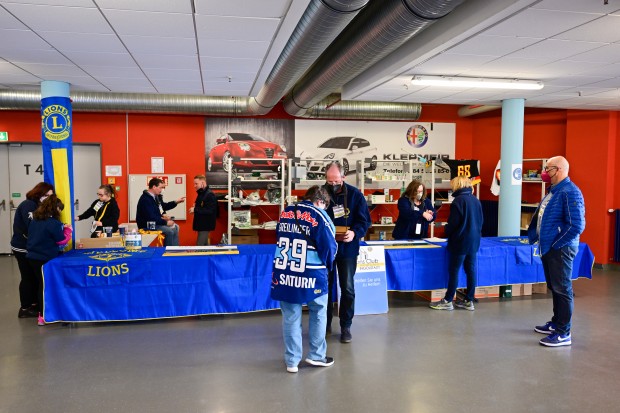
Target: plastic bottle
x: 133, y: 241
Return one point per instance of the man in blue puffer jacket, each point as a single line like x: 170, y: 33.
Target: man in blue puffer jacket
x: 556, y: 226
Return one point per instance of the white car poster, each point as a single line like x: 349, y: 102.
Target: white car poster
x: 379, y: 145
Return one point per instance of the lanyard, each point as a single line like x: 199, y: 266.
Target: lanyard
x: 103, y: 212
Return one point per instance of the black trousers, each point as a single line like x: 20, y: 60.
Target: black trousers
x: 37, y: 268
x: 29, y: 283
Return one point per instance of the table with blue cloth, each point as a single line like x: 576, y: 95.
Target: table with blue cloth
x: 116, y: 284
x: 501, y: 261
x: 120, y: 285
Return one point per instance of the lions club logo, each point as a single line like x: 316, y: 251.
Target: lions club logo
x: 56, y: 123
x: 417, y: 136
x: 108, y: 256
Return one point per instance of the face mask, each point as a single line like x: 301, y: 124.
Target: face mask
x: 418, y: 197
x: 334, y: 189
x: 545, y: 177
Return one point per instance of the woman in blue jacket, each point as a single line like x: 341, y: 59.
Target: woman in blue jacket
x: 464, y: 231
x: 415, y: 212
x: 45, y: 234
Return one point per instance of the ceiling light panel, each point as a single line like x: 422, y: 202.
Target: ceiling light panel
x: 540, y: 23
x: 262, y: 8
x: 167, y: 6
x: 236, y: 28
x: 144, y: 23
x: 161, y: 45
x: 52, y: 18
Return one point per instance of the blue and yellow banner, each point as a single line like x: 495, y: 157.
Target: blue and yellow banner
x: 57, y: 139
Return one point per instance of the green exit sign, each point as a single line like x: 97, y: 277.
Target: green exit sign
x: 4, y: 136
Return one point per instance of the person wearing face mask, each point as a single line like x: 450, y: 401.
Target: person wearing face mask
x: 29, y: 283
x: 305, y: 252
x: 415, y: 212
x: 555, y: 227
x: 105, y: 211
x: 349, y: 210
x: 205, y: 210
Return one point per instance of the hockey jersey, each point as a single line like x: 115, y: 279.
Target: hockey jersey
x: 464, y: 167
x: 305, y: 251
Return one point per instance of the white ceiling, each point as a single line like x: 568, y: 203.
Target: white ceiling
x: 227, y: 48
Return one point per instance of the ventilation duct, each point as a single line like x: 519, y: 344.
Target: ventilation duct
x: 471, y: 110
x: 334, y: 108
x: 378, y: 30
x: 322, y: 21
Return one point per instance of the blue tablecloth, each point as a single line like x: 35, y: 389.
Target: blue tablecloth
x: 98, y: 285
x: 109, y: 285
x: 501, y: 261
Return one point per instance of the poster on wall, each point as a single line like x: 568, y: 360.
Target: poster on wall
x: 380, y: 146
x: 266, y: 141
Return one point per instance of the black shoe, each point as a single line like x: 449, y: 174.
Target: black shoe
x: 345, y: 335
x: 30, y: 312
x: 326, y: 362
x: 328, y: 330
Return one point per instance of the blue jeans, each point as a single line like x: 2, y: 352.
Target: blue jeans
x: 171, y: 234
x: 346, y: 272
x: 558, y: 267
x: 291, y: 327
x: 469, y: 264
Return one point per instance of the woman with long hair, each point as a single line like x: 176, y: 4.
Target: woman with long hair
x: 29, y: 283
x: 45, y: 234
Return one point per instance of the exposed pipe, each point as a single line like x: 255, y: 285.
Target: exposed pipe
x: 471, y: 110
x: 333, y: 108
x: 378, y: 30
x: 322, y: 21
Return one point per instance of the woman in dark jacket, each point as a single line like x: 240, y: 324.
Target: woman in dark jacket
x: 105, y: 210
x: 415, y: 212
x: 464, y: 231
x: 205, y: 210
x: 46, y: 236
x: 29, y: 284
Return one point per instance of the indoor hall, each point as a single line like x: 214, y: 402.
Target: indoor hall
x: 412, y: 359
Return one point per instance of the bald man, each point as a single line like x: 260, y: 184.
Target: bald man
x: 556, y: 226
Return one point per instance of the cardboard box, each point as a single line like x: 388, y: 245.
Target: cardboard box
x: 244, y: 239
x: 487, y: 292
x: 432, y: 295
x: 521, y: 289
x: 526, y: 217
x: 88, y: 243
x: 111, y: 242
x: 539, y: 288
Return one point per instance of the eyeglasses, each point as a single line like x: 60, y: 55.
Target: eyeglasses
x: 98, y: 194
x: 550, y: 168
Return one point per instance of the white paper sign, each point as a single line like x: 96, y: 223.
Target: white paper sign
x: 516, y: 173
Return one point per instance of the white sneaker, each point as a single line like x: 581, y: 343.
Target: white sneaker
x: 292, y: 369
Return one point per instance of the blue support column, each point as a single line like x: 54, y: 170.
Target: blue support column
x: 57, y: 142
x: 511, y: 167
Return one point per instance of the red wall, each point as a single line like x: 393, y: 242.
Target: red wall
x: 587, y: 138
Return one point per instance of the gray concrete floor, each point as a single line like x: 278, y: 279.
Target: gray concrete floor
x: 412, y: 359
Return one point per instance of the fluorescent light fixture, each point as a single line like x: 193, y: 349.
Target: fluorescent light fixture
x: 476, y: 82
